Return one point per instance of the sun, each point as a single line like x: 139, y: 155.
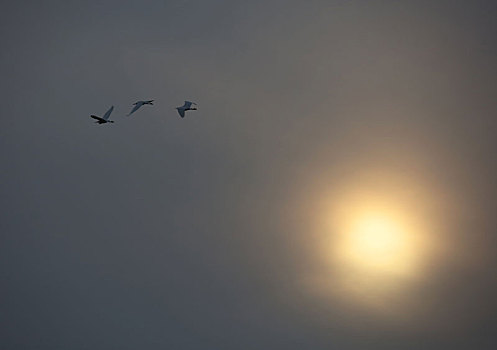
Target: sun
x: 378, y: 242
x: 375, y: 251
x: 374, y: 240
x: 375, y: 245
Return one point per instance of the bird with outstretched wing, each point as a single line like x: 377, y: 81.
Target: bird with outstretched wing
x: 139, y: 104
x: 105, y: 118
x: 186, y: 107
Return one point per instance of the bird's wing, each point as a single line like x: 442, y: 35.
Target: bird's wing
x: 137, y: 105
x: 149, y: 101
x: 97, y: 118
x: 181, y: 112
x: 187, y: 104
x: 107, y: 114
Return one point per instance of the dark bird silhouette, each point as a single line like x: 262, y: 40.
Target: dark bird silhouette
x: 139, y: 104
x: 186, y: 107
x: 105, y: 118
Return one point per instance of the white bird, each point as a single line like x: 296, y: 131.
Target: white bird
x: 139, y: 104
x: 186, y: 107
x: 105, y: 118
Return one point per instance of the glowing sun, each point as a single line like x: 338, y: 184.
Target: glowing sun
x: 374, y: 243
x: 379, y: 243
x: 377, y: 249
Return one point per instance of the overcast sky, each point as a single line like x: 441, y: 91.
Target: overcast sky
x: 157, y: 232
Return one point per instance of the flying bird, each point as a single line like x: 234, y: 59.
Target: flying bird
x: 139, y: 104
x: 105, y: 118
x: 186, y: 107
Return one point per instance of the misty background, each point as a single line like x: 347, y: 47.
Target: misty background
x: 160, y: 232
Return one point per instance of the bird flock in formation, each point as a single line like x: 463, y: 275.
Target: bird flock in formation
x: 187, y: 106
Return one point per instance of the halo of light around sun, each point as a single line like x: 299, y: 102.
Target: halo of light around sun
x: 374, y: 241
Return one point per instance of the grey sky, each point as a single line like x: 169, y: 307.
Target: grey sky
x: 159, y: 232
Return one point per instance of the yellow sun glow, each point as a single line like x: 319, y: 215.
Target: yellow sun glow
x: 377, y: 245
x: 375, y: 235
x: 377, y: 242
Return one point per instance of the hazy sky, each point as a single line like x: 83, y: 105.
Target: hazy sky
x: 223, y: 230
